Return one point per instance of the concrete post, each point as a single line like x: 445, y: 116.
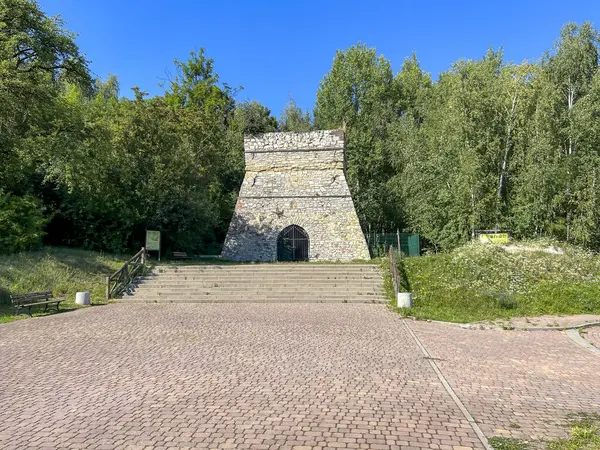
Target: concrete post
x: 82, y: 298
x: 404, y: 299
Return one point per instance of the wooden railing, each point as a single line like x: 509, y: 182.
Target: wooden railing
x: 394, y: 271
x: 121, y: 280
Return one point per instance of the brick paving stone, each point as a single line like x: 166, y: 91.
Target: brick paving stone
x: 592, y: 334
x: 530, y: 379
x: 544, y: 321
x: 261, y: 376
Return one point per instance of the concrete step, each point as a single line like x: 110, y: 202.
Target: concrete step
x: 350, y: 299
x: 262, y: 280
x: 255, y: 299
x: 263, y: 283
x: 252, y: 295
x: 258, y: 291
x: 269, y: 266
x: 239, y: 294
x: 265, y: 272
x: 249, y: 274
x: 254, y: 290
x: 195, y: 270
x: 274, y: 283
x: 274, y: 276
x: 247, y: 294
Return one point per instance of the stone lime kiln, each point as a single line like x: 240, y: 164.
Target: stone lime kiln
x: 294, y: 203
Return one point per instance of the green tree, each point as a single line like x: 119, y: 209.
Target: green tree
x: 36, y: 54
x: 557, y: 170
x: 406, y: 143
x: 294, y: 119
x: 413, y: 85
x: 250, y: 117
x: 450, y: 181
x: 156, y: 162
x: 21, y: 223
x: 358, y: 95
x: 196, y: 85
x: 571, y: 68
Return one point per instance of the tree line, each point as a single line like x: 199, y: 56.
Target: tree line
x: 490, y: 144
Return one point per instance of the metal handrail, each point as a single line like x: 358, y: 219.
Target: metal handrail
x: 394, y: 271
x: 119, y: 281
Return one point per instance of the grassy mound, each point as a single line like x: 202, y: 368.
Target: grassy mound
x: 61, y: 270
x: 480, y: 282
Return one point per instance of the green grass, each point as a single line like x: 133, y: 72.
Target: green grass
x: 61, y: 270
x: 585, y: 434
x: 485, y: 282
x: 504, y: 443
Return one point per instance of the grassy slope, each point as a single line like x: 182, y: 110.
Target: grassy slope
x: 61, y: 270
x: 480, y: 282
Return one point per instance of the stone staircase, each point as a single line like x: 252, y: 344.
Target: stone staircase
x: 276, y: 283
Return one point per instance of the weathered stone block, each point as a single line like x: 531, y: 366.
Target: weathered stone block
x: 295, y: 179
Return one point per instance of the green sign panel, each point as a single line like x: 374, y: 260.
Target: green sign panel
x: 152, y: 240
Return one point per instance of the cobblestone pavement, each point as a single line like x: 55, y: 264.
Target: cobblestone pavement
x: 592, y: 334
x: 520, y: 384
x: 544, y: 321
x: 279, y: 376
x: 222, y: 376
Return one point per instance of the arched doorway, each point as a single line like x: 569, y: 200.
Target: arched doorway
x: 292, y: 244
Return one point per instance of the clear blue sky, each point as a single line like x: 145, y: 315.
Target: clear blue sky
x: 278, y: 49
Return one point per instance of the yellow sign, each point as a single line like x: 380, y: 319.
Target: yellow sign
x: 152, y: 240
x: 494, y: 238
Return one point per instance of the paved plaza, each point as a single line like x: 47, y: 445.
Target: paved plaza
x: 592, y: 334
x: 267, y: 376
x: 520, y: 384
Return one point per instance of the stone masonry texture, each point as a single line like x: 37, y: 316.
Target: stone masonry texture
x: 295, y: 179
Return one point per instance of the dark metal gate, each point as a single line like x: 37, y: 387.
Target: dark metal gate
x: 292, y: 244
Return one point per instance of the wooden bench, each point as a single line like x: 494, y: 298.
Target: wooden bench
x: 34, y: 299
x: 181, y: 255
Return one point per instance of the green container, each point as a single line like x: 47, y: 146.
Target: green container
x: 380, y: 243
x: 414, y: 245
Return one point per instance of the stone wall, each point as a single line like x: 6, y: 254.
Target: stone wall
x: 295, y: 179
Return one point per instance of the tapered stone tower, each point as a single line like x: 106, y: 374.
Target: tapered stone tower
x: 294, y: 203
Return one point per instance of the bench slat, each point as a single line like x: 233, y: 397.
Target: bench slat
x: 32, y: 294
x: 28, y: 299
x: 34, y: 299
x: 42, y: 303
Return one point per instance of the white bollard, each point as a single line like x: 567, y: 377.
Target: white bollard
x: 82, y: 298
x: 404, y: 299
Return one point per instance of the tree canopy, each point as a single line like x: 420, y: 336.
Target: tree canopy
x: 489, y: 144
